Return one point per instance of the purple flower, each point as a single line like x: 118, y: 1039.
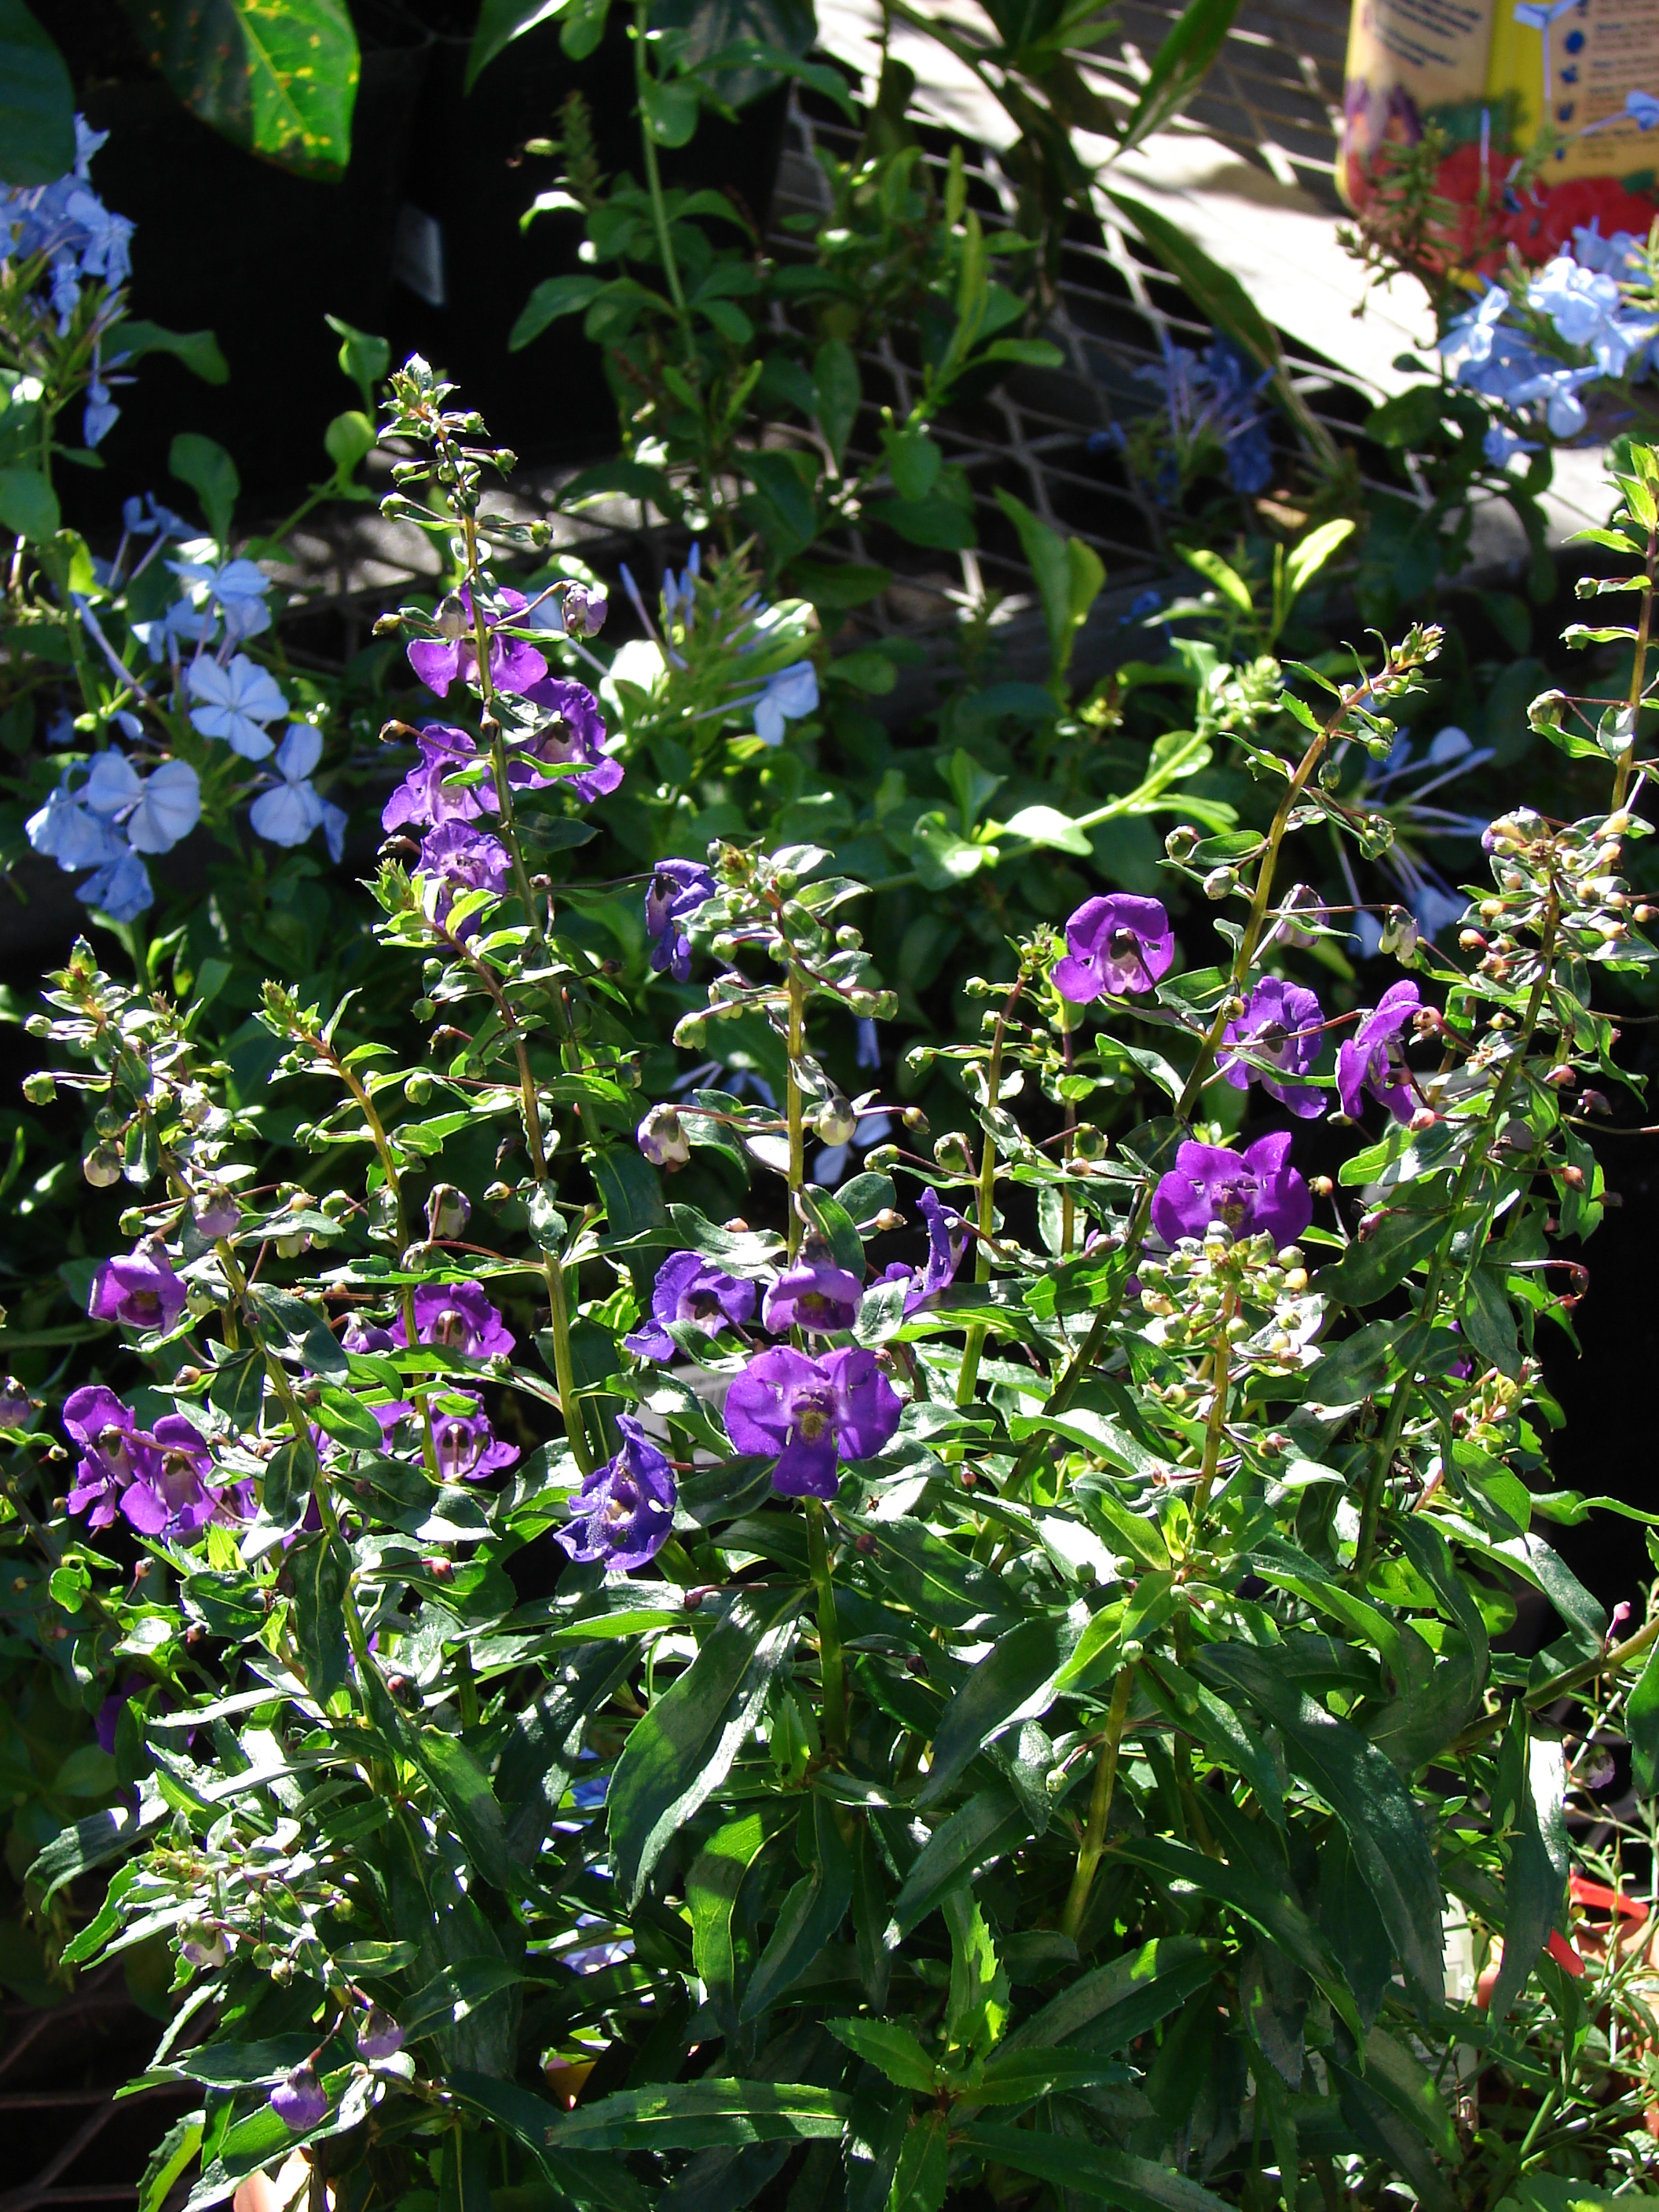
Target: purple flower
x: 661, y: 1137
x: 168, y: 1495
x: 141, y: 1291
x: 575, y: 733
x: 360, y: 1335
x: 421, y: 796
x: 1118, y: 944
x: 300, y: 2101
x: 106, y: 1430
x: 109, y: 1713
x: 814, y: 1294
x: 806, y: 1414
x: 677, y: 889
x: 688, y: 1289
x: 624, y: 1512
x: 1247, y: 1192
x: 584, y: 610
x: 514, y: 666
x: 1279, y: 1026
x: 15, y: 1406
x: 379, y: 2036
x: 466, y: 1446
x: 464, y: 859
x: 459, y: 1317
x: 946, y: 1241
x: 1372, y: 1060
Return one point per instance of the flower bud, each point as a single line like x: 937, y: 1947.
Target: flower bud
x: 14, y: 1406
x: 379, y: 2036
x: 39, y: 1088
x: 1181, y: 842
x: 300, y: 2101
x: 836, y: 1120
x: 950, y: 1152
x: 447, y: 1212
x: 451, y: 618
x: 662, y: 1137
x: 1220, y: 883
x: 102, y: 1166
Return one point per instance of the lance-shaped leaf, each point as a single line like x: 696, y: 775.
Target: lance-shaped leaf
x: 1015, y: 1683
x: 809, y: 1917
x: 321, y: 1568
x: 1531, y: 1784
x: 1074, y: 2163
x: 1179, y: 68
x: 684, y: 1747
x: 1114, y: 2004
x: 699, y: 2115
x: 37, y: 102
x: 1363, y: 1790
x: 465, y: 1789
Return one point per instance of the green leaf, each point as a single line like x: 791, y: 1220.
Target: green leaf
x: 29, y: 505
x: 893, y: 2048
x: 457, y: 1991
x: 808, y: 1918
x: 1309, y: 554
x: 711, y: 1892
x: 837, y: 1228
x: 1179, y: 68
x: 346, y: 1419
x: 209, y: 471
x: 1226, y: 579
x: 281, y: 81
x: 684, y: 1747
x: 348, y: 440
x: 197, y: 349
x: 500, y: 22
x: 1114, y: 2004
x: 1527, y: 1798
x: 669, y: 111
x: 976, y: 2008
x: 1015, y: 1683
x: 172, y: 2155
x: 701, y: 2115
x: 37, y: 102
x: 924, y: 2162
x: 633, y: 1204
x: 554, y: 297
x: 1369, y: 1271
x: 362, y: 356
x: 840, y: 392
x: 1068, y: 575
x: 986, y: 1826
x: 463, y: 1785
x: 320, y: 1567
x: 1046, y: 826
x: 576, y: 2174
x: 1384, y: 1827
x: 1073, y: 2163
x: 1641, y: 1726
x: 936, y: 522
x: 1020, y: 2078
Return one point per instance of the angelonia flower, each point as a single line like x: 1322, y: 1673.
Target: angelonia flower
x: 459, y: 1316
x: 216, y: 1213
x: 379, y: 2036
x: 514, y: 665
x: 360, y: 1335
x: 584, y: 608
x: 466, y: 1446
x: 461, y: 859
x: 1372, y: 1059
x: 1119, y: 944
x: 140, y: 1292
x: 159, y: 1479
x: 624, y: 1514
x: 1248, y: 1193
x: 677, y: 889
x: 1276, y: 1040
x: 807, y: 1414
x: 300, y: 2101
x: 423, y: 796
x: 447, y: 1212
x: 691, y: 1292
x: 947, y: 1239
x: 572, y: 737
x: 814, y: 1294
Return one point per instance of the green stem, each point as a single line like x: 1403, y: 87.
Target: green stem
x: 642, y: 80
x: 973, y: 1350
x: 1217, y: 1425
x: 831, y: 1666
x: 1100, y: 1806
x: 794, y: 1103
x: 1638, y: 676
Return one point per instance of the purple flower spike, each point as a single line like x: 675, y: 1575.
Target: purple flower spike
x: 300, y: 2101
x: 459, y: 1316
x: 624, y: 1512
x: 814, y: 1294
x: 105, y: 1429
x: 1257, y: 1190
x: 466, y: 1445
x: 421, y: 796
x: 464, y: 859
x: 169, y: 1495
x: 1371, y: 1059
x: 514, y: 666
x: 1278, y: 1028
x: 806, y: 1414
x: 141, y: 1291
x: 574, y: 735
x: 1118, y: 945
x: 688, y: 1289
x: 677, y: 889
x: 379, y: 2036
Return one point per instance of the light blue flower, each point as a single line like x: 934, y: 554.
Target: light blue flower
x: 101, y: 413
x: 869, y: 1051
x: 1500, y: 445
x: 158, y: 810
x: 1619, y: 256
x: 287, y: 814
x: 1558, y: 388
x: 182, y: 623
x: 237, y: 588
x: 105, y: 242
x: 236, y: 701
x: 66, y: 831
x: 793, y: 692
x: 121, y: 889
x: 1467, y: 343
x: 144, y: 518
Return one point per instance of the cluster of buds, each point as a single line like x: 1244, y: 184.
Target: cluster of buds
x: 1568, y: 871
x: 1248, y: 1293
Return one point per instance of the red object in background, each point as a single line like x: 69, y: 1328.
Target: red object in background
x: 1539, y: 224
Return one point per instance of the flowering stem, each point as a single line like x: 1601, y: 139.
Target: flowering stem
x: 794, y: 1103
x: 1638, y: 675
x: 974, y: 1349
x: 831, y: 1667
x: 1068, y: 1202
x: 1100, y: 1806
x: 1217, y: 1424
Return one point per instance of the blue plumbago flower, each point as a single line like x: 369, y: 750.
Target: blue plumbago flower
x: 1207, y: 398
x: 788, y: 695
x: 101, y: 414
x: 1619, y: 256
x: 67, y: 223
x: 182, y: 623
x: 869, y: 1051
x: 66, y: 831
x: 121, y: 889
x: 624, y: 1514
x: 808, y: 1413
x: 691, y: 1290
x: 815, y: 1294
x: 157, y: 810
x: 237, y: 702
x: 237, y: 588
x: 288, y: 814
x: 1501, y: 444
x: 1276, y: 1042
x: 677, y: 889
